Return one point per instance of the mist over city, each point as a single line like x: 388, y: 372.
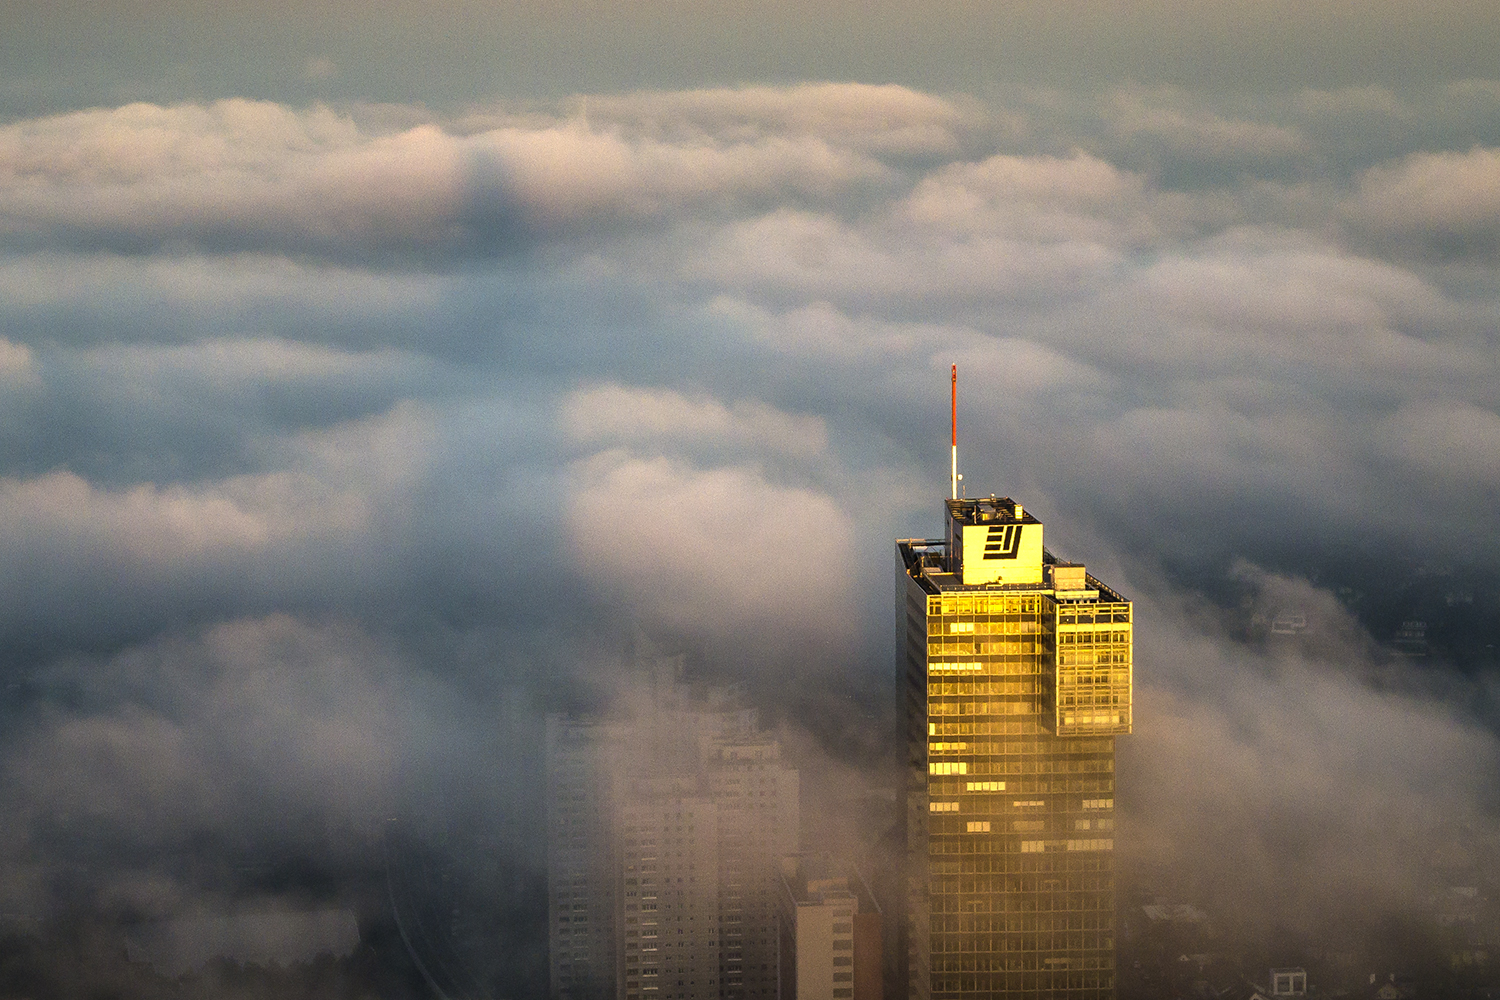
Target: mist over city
x: 377, y: 386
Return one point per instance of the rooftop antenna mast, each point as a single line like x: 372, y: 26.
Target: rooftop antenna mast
x: 955, y: 432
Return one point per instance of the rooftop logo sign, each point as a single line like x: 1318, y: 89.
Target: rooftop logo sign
x: 1003, y: 541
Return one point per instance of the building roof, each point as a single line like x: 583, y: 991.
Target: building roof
x: 926, y: 559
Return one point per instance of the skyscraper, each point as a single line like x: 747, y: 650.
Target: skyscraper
x: 667, y: 824
x: 1014, y: 673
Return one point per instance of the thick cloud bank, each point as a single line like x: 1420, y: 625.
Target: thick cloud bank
x: 339, y: 444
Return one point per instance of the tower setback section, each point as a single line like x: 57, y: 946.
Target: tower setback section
x: 1014, y: 675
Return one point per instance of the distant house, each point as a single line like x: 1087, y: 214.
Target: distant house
x: 1288, y: 983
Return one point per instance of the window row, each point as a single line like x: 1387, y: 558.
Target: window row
x: 1029, y: 786
x: 1088, y: 912
x: 983, y: 604
x: 1030, y: 665
x: 996, y: 807
x: 1052, y: 931
x: 1006, y: 847
x: 1050, y: 872
x: 1089, y: 657
x: 1018, y: 707
x: 993, y: 963
x: 1037, y: 846
x: 1080, y: 891
x: 1024, y: 766
x: 937, y: 688
x: 1073, y: 985
x: 1093, y: 638
x: 1111, y: 614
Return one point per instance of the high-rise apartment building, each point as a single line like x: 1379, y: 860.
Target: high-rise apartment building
x: 757, y: 796
x: 1014, y: 672
x: 669, y: 894
x: 581, y: 865
x: 667, y: 827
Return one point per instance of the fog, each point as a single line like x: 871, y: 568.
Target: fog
x: 339, y: 444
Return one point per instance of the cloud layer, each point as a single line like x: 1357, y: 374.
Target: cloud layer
x: 321, y: 422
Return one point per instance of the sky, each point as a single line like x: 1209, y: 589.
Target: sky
x: 372, y: 379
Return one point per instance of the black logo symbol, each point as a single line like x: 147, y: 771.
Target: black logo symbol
x: 1003, y: 541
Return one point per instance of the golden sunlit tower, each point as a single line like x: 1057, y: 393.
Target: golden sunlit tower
x: 1015, y: 677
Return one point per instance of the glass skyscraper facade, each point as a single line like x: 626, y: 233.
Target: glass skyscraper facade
x: 1015, y: 677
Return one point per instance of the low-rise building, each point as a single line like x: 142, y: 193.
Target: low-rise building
x: 830, y: 933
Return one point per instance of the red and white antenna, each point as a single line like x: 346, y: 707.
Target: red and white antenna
x: 955, y: 432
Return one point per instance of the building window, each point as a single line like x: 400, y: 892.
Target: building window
x: 979, y: 826
x: 948, y: 767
